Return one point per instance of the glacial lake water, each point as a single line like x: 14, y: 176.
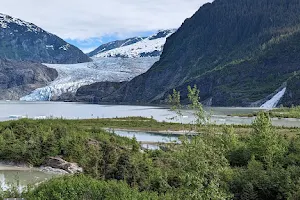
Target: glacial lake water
x: 20, y: 178
x: 15, y: 109
x: 147, y: 137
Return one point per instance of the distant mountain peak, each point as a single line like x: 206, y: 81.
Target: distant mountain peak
x: 114, y: 44
x: 151, y: 46
x: 162, y: 34
x: 24, y: 41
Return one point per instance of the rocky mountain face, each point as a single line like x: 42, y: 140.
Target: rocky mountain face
x: 237, y: 52
x: 19, y: 78
x: 24, y: 41
x: 95, y: 92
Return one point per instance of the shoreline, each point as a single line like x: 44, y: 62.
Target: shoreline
x: 14, y: 166
x: 164, y: 132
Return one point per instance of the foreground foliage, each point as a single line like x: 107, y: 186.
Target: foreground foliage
x: 83, y: 187
x: 212, y: 165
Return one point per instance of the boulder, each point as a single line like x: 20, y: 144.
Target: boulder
x: 59, y: 163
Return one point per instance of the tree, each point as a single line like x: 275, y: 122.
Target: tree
x: 196, y: 106
x: 174, y: 101
x: 201, y: 165
x: 265, y: 143
x: 135, y: 145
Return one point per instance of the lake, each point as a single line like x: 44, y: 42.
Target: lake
x: 147, y: 137
x: 40, y: 110
x: 20, y: 178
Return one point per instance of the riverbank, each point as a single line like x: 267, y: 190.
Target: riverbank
x: 279, y: 113
x: 23, y: 167
x: 160, y: 132
x: 10, y: 166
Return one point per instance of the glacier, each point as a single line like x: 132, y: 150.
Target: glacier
x: 72, y: 76
x: 121, y: 63
x: 273, y: 102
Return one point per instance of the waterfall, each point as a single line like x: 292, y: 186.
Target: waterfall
x: 273, y: 102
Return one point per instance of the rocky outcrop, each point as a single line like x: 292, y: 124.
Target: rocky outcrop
x: 96, y: 92
x: 59, y: 163
x: 24, y: 41
x: 19, y: 78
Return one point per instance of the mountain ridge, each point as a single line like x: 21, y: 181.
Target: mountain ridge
x: 114, y: 44
x: 228, y: 48
x: 134, y: 47
x: 24, y: 41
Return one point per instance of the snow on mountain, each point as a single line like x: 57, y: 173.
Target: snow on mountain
x: 146, y: 47
x: 114, y: 45
x: 73, y: 76
x: 24, y: 41
x: 6, y: 21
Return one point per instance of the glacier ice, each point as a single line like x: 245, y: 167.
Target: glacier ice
x: 72, y: 76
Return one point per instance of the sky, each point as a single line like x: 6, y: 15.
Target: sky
x: 89, y: 23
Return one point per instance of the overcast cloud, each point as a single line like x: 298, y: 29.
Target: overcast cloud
x: 85, y: 19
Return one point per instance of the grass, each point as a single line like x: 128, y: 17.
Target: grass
x: 293, y: 112
x: 151, y: 125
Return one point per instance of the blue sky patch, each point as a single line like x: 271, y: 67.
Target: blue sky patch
x: 91, y: 44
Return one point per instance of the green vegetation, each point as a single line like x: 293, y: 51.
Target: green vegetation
x: 218, y: 163
x: 292, y: 96
x: 213, y: 165
x: 293, y: 112
x: 33, y: 141
x: 83, y: 187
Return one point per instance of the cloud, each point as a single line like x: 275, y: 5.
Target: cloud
x: 84, y: 19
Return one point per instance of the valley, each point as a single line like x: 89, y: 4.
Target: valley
x: 142, y: 101
x: 119, y: 61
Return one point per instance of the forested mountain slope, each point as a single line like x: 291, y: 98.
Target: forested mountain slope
x: 238, y: 52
